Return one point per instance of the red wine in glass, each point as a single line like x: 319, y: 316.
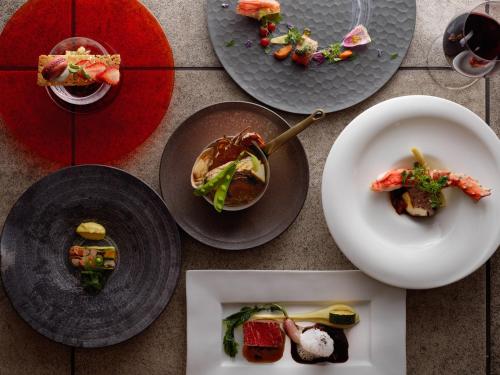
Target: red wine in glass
x: 471, y: 41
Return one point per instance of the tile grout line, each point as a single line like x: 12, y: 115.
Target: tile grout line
x: 194, y: 68
x: 487, y: 109
x: 73, y: 157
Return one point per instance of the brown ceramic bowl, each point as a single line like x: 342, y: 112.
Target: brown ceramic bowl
x: 233, y: 230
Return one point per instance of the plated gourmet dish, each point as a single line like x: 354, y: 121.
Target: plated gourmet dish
x: 299, y: 44
x: 95, y: 263
x: 317, y: 336
x: 231, y: 172
x: 78, y: 68
x: 417, y: 191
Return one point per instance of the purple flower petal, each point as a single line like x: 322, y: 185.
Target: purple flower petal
x: 289, y: 26
x: 248, y: 43
x: 319, y: 57
x: 356, y: 37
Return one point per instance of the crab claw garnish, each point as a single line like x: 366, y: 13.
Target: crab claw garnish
x: 356, y: 37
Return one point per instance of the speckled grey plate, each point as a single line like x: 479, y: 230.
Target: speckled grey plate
x: 45, y: 289
x: 286, y: 86
x: 233, y: 230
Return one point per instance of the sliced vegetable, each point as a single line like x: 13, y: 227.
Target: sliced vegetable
x: 343, y: 317
x: 214, y: 182
x: 221, y: 193
x: 345, y: 54
x: 283, y: 52
x: 282, y: 39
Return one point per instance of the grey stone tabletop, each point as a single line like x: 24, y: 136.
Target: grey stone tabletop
x: 468, y: 342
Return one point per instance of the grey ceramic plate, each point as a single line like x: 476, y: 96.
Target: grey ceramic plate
x: 236, y: 230
x: 286, y: 86
x: 43, y: 287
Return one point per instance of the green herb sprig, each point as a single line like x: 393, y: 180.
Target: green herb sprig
x: 237, y: 319
x: 424, y: 182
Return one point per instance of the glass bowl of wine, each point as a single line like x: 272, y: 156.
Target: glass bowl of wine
x: 470, y: 45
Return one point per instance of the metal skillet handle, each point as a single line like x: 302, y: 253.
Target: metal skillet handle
x: 281, y: 139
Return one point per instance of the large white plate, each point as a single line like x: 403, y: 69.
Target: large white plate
x: 376, y: 345
x: 398, y: 249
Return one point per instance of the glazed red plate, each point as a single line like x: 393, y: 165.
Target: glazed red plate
x: 106, y: 132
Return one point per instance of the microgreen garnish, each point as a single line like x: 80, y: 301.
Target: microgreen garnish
x: 230, y: 43
x: 332, y: 53
x: 424, y: 182
x: 275, y: 18
x: 294, y: 36
x: 394, y: 56
x: 404, y: 176
x: 268, y: 50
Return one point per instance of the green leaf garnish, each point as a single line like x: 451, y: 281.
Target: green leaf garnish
x: 294, y: 36
x: 74, y: 68
x: 230, y: 43
x: 425, y: 183
x: 275, y: 18
x: 333, y: 52
x: 394, y: 56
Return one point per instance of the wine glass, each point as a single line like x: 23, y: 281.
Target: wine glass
x: 470, y: 45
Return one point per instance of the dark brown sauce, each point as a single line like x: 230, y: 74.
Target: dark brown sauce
x: 397, y: 201
x: 81, y: 91
x: 264, y: 354
x: 340, y: 349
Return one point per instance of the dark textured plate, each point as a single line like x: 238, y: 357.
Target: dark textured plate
x: 286, y: 86
x: 45, y: 289
x: 235, y: 230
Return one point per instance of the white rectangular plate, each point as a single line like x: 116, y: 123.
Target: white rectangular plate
x: 377, y: 345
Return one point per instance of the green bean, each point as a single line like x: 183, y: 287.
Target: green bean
x: 220, y: 194
x: 214, y: 182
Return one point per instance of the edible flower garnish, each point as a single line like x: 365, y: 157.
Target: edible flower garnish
x: 357, y: 37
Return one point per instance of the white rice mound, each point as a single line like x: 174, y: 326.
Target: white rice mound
x: 317, y: 342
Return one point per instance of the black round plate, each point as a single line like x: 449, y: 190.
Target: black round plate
x: 45, y: 289
x: 333, y: 87
x: 233, y: 230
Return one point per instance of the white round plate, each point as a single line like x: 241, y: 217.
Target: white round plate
x: 398, y: 249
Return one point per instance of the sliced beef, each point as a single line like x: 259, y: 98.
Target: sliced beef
x: 263, y: 341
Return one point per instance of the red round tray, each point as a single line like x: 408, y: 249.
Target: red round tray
x: 147, y: 78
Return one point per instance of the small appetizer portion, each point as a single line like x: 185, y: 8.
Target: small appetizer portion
x: 263, y: 341
x: 320, y: 339
x: 317, y: 343
x: 91, y: 231
x: 78, y: 68
x: 257, y: 9
x: 418, y: 191
x: 228, y: 171
x: 94, y: 262
x: 304, y: 50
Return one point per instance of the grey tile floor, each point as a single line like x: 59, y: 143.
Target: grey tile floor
x: 450, y: 330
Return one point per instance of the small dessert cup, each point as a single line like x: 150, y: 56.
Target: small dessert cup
x: 78, y: 98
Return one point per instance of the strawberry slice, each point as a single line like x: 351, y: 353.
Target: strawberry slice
x: 83, y: 64
x: 110, y: 76
x: 93, y: 70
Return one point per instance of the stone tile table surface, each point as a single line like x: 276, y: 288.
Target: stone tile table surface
x: 450, y: 330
